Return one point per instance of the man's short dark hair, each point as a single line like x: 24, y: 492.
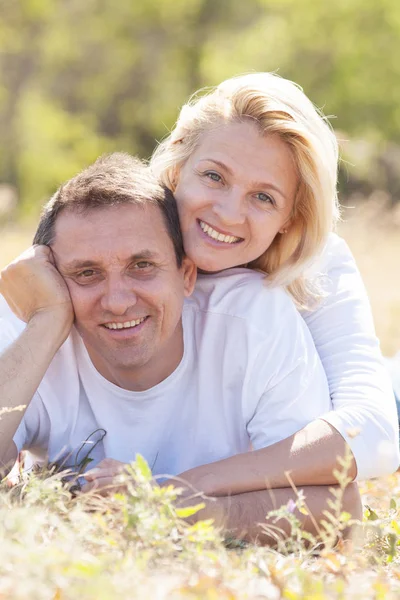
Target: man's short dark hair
x: 113, y: 179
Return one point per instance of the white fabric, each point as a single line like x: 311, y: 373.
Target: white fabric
x: 362, y: 395
x: 250, y: 375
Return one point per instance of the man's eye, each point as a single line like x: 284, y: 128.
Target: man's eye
x: 86, y: 274
x: 213, y: 176
x: 143, y: 264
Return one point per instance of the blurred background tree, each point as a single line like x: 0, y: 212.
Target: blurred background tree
x: 78, y: 78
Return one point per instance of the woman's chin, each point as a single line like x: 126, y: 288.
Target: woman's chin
x: 215, y: 266
x: 212, y: 262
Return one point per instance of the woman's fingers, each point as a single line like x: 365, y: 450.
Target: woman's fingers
x: 104, y: 476
x: 98, y: 484
x: 106, y: 468
x: 103, y: 485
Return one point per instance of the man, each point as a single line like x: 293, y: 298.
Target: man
x: 117, y: 356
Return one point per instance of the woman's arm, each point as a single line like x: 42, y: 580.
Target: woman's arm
x: 308, y: 457
x: 364, y: 411
x: 364, y: 414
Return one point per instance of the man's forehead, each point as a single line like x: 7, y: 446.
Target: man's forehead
x: 124, y: 230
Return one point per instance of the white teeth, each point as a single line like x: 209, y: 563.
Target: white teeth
x: 228, y: 239
x: 124, y: 325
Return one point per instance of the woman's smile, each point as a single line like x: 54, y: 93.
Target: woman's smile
x: 215, y: 234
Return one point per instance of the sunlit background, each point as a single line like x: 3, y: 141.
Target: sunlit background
x: 82, y: 77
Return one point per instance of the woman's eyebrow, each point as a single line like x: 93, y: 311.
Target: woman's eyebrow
x: 217, y: 162
x: 264, y: 185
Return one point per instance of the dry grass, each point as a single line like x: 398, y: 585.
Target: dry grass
x: 14, y: 239
x: 373, y: 234
x: 137, y: 546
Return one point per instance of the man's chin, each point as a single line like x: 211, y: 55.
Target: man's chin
x: 117, y: 366
x: 118, y: 354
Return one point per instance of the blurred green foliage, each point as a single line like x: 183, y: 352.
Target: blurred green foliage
x: 78, y: 78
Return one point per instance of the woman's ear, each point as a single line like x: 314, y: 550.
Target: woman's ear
x: 173, y: 178
x: 285, y: 228
x: 189, y: 276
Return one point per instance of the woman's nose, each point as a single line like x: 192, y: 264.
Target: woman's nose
x: 231, y: 208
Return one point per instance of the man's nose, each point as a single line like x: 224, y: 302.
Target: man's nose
x: 231, y: 207
x: 118, y: 297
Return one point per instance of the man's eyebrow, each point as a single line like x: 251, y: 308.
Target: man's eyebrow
x: 86, y: 263
x: 256, y: 184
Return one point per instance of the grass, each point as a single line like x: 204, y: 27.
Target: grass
x: 373, y: 234
x: 137, y: 545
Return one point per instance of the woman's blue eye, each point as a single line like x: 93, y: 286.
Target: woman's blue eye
x: 213, y: 176
x: 265, y: 198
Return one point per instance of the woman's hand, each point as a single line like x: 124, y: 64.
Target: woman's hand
x: 105, y: 478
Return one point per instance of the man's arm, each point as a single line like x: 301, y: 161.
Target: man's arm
x: 244, y: 515
x: 37, y: 294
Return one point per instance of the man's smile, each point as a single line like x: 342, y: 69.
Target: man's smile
x: 125, y: 324
x: 125, y: 330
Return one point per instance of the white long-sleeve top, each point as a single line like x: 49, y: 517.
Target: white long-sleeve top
x: 362, y: 396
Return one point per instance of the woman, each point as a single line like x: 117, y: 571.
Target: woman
x: 253, y: 166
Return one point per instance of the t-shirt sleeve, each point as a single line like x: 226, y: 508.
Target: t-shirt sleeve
x: 364, y: 410
x: 28, y: 431
x: 32, y: 432
x: 297, y: 391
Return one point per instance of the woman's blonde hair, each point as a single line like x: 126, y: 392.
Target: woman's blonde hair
x: 276, y: 106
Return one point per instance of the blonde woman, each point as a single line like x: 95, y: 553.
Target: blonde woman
x: 253, y: 166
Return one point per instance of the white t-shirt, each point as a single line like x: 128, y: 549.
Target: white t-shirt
x: 250, y: 376
x: 361, y: 390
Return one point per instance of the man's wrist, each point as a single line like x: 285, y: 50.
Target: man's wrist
x: 53, y: 326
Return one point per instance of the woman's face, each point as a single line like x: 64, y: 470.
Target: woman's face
x: 235, y: 194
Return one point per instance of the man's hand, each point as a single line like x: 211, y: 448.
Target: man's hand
x: 104, y: 477
x: 32, y: 286
x: 38, y: 295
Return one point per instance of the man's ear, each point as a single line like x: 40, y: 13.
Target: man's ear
x: 189, y: 276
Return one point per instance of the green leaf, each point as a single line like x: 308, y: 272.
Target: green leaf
x: 345, y: 517
x: 143, y: 467
x: 371, y: 514
x: 188, y: 511
x: 393, y: 504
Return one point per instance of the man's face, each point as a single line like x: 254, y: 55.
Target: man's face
x: 126, y: 289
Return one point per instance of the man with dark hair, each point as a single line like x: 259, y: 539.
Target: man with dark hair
x: 112, y: 180
x: 111, y: 354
